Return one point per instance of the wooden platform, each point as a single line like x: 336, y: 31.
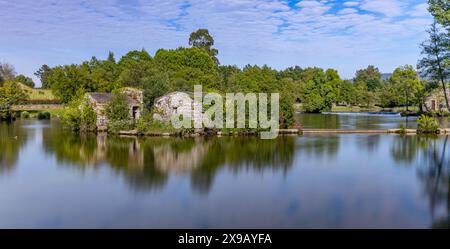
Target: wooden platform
x: 341, y: 131
x: 445, y: 131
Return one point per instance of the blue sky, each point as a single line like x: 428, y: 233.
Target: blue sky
x: 342, y: 34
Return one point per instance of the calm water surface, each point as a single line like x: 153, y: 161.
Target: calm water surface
x: 52, y: 178
x: 359, y: 121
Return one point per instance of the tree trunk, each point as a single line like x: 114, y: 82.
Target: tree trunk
x: 407, y: 100
x: 441, y: 77
x: 445, y: 94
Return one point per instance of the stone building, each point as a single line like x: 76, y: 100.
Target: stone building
x: 435, y: 102
x: 99, y: 101
x: 176, y: 103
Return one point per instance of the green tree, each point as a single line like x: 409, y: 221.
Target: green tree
x: 134, y: 66
x: 346, y: 92
x: 228, y: 76
x: 408, y: 85
x: 24, y: 80
x: 70, y: 81
x: 203, y: 40
x: 389, y: 97
x: 10, y: 94
x: 111, y: 57
x: 294, y: 73
x: 436, y: 55
x: 440, y: 10
x: 187, y: 67
x: 287, y: 99
x: 330, y: 89
x: 361, y: 93
x: 321, y: 89
x: 370, y: 76
x: 103, y: 74
x: 155, y: 84
x: 43, y: 73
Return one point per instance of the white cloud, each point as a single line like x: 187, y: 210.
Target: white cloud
x: 347, y: 11
x: 245, y: 31
x: 419, y: 10
x: 312, y: 7
x: 351, y: 4
x: 389, y: 8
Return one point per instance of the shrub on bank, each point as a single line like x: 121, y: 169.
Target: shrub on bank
x: 43, y: 115
x: 143, y: 124
x: 114, y: 126
x: 155, y: 126
x: 427, y: 125
x: 72, y: 118
x: 117, y: 108
x: 24, y: 115
x: 146, y: 124
x: 88, y: 119
x: 5, y: 112
x: 118, y: 114
x: 79, y: 116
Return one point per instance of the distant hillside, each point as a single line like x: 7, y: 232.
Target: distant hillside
x: 39, y: 96
x: 385, y: 76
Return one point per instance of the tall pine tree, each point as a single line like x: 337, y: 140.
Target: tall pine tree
x: 436, y: 57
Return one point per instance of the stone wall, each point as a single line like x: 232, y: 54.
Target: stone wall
x: 137, y: 96
x: 176, y: 103
x: 436, y: 101
x: 38, y: 107
x: 100, y: 110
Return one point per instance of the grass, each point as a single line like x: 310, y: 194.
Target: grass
x: 156, y: 127
x: 54, y: 112
x: 36, y: 94
x: 355, y: 109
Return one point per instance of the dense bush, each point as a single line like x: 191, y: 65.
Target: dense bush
x: 117, y: 108
x: 427, y: 125
x: 78, y: 118
x: 143, y: 124
x: 114, y: 126
x: 44, y: 115
x: 5, y: 112
x: 117, y: 111
x: 24, y: 115
x: 147, y: 124
x: 10, y: 94
x: 88, y: 119
x: 72, y: 118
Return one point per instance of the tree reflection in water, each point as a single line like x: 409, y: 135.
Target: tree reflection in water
x: 12, y: 138
x: 430, y: 153
x: 147, y: 163
x: 435, y: 174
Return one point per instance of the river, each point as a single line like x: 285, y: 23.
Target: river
x: 53, y: 178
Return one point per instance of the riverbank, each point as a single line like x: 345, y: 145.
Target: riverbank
x: 356, y: 109
x: 55, y: 110
x: 441, y: 131
x: 283, y: 132
x: 204, y: 133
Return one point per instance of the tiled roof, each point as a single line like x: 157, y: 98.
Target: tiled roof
x: 103, y: 98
